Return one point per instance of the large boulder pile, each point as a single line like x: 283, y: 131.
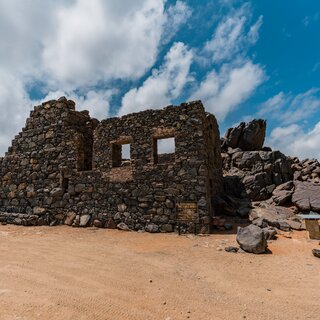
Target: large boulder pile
x: 263, y: 185
x: 306, y: 170
x: 259, y: 171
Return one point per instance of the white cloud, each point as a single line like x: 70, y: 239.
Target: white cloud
x: 222, y: 92
x: 103, y: 40
x: 293, y: 140
x: 15, y: 107
x: 233, y: 77
x: 232, y: 36
x: 288, y: 108
x: 72, y: 43
x: 273, y: 104
x: 176, y: 16
x: 23, y: 26
x: 164, y: 85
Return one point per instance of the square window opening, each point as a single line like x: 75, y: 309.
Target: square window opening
x: 121, y: 155
x: 164, y: 150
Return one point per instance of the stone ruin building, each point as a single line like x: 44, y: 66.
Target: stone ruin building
x: 66, y: 167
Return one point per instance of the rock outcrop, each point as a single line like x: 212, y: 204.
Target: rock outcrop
x: 259, y: 171
x: 267, y: 186
x: 306, y: 196
x: 246, y: 136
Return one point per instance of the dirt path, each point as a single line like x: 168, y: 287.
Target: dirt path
x: 67, y: 273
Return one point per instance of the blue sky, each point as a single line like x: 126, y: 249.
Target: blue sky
x: 243, y: 59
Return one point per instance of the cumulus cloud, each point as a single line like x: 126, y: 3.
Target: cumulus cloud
x: 289, y: 108
x: 103, y: 40
x: 176, y: 16
x: 23, y: 27
x: 233, y: 77
x: 294, y: 141
x: 222, y: 92
x: 233, y: 35
x: 164, y: 85
x: 15, y: 107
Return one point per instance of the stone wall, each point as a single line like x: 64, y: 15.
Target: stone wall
x: 65, y: 167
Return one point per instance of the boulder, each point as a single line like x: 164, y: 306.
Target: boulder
x: 70, y: 218
x: 281, y: 197
x: 306, y: 196
x: 282, y: 218
x: 84, y: 219
x: 97, y: 223
x: 56, y: 193
x: 151, y: 227
x: 246, y: 136
x: 316, y: 252
x: 122, y: 226
x: 110, y: 224
x: 252, y: 239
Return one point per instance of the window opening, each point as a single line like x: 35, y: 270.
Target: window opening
x: 85, y: 153
x: 164, y: 150
x: 121, y: 155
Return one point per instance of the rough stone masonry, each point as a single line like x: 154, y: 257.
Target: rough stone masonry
x: 66, y: 167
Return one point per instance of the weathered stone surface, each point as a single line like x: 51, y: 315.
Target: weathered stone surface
x: 151, y: 227
x: 56, y: 192
x: 110, y: 224
x: 281, y: 197
x: 84, y: 219
x: 306, y: 170
x: 97, y: 223
x: 306, y: 196
x: 70, y: 218
x: 39, y: 211
x: 259, y: 172
x: 122, y: 226
x: 275, y: 216
x: 269, y: 233
x: 247, y: 137
x: 252, y: 239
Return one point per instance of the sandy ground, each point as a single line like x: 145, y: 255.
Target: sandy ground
x: 66, y: 273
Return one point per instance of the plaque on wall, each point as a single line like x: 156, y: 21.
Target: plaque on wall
x: 187, y: 211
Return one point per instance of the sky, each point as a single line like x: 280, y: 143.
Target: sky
x: 243, y: 59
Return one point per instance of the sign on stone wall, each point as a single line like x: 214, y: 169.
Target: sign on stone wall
x: 187, y: 211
